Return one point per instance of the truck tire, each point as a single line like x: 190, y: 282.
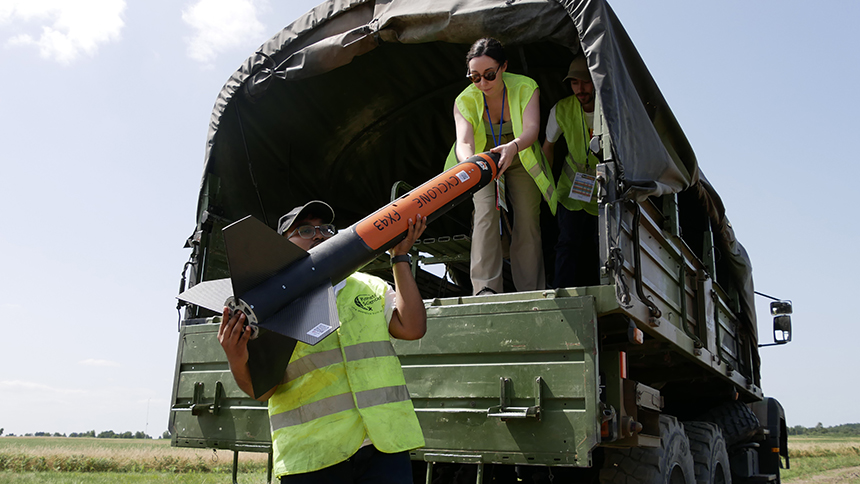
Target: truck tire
x: 671, y: 463
x: 736, y: 420
x: 710, y: 456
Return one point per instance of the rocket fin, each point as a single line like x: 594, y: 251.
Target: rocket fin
x: 255, y: 253
x: 309, y: 318
x: 268, y: 357
x: 209, y: 294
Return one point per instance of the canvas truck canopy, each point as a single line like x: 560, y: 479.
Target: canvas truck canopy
x: 357, y: 94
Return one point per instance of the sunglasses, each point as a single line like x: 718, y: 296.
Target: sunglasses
x: 308, y: 231
x: 490, y: 76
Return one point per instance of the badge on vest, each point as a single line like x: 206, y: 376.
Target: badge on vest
x: 501, y: 194
x: 366, y: 302
x: 583, y: 187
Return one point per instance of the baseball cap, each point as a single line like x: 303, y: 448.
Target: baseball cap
x: 316, y: 208
x: 578, y: 70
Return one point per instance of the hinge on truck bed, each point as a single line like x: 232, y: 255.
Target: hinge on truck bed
x: 504, y: 411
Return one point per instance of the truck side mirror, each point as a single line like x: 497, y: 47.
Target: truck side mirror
x: 782, y: 329
x: 780, y: 307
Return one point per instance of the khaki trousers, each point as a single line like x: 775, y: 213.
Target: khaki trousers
x: 526, y: 253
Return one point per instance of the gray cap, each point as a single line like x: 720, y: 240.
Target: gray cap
x: 314, y: 208
x: 578, y: 70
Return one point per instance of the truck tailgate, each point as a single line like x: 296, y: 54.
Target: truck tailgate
x: 506, y: 381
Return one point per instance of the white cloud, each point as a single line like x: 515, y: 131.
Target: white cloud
x: 220, y: 25
x: 68, y: 29
x: 94, y: 362
x: 11, y: 386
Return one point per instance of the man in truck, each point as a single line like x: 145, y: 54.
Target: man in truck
x: 576, y: 252
x: 342, y: 413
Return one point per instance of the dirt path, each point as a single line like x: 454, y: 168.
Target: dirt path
x: 848, y: 475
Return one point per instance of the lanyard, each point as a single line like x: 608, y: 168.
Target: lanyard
x: 501, y: 118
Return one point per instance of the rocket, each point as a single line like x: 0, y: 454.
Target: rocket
x: 287, y: 293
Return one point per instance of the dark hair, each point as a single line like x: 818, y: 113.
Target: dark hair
x: 487, y: 46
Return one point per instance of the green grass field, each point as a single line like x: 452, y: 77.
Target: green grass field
x: 814, y: 455
x: 60, y: 460
x: 92, y: 460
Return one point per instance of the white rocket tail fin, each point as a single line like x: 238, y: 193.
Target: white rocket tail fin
x: 209, y: 294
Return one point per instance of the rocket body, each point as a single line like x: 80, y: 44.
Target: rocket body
x: 283, y: 289
x: 352, y: 248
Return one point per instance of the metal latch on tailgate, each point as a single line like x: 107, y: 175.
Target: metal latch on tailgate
x: 504, y: 411
x: 198, y: 407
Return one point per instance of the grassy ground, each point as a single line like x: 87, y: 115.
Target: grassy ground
x: 59, y: 460
x: 815, y: 455
x: 7, y: 477
x: 131, y: 456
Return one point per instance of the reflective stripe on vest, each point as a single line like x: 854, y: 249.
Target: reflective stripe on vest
x: 309, y: 363
x: 339, y: 403
x: 470, y: 102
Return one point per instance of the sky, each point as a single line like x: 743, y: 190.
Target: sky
x: 105, y: 108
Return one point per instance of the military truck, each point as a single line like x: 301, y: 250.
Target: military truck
x: 653, y: 375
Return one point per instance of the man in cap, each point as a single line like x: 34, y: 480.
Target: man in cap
x: 576, y: 252
x: 342, y: 413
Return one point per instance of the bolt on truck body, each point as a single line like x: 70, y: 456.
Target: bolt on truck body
x: 653, y: 374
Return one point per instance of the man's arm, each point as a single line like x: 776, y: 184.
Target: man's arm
x: 234, y: 341
x: 409, y: 320
x: 548, y: 149
x: 553, y: 132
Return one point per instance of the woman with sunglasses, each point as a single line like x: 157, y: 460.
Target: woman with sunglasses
x: 500, y: 112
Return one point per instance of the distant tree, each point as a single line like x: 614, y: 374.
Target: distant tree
x: 126, y: 435
x: 57, y: 434
x: 28, y: 435
x: 141, y: 435
x: 1, y: 431
x: 107, y: 434
x: 166, y: 434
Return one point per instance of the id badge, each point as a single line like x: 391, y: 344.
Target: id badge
x: 583, y: 187
x: 501, y: 197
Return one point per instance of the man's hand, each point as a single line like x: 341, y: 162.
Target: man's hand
x: 234, y: 337
x: 412, y: 234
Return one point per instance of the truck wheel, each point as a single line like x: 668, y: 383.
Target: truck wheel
x: 736, y: 420
x: 671, y: 463
x: 710, y: 457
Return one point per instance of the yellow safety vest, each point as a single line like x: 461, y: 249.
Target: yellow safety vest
x: 571, y: 120
x: 347, y: 387
x: 470, y: 102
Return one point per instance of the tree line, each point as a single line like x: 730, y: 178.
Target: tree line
x: 844, y: 430
x: 107, y: 434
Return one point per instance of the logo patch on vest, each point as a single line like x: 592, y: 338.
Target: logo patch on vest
x: 365, y: 303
